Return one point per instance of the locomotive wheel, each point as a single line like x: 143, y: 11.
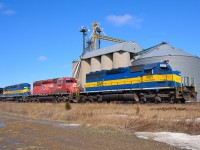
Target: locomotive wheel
x: 83, y: 99
x: 55, y: 99
x: 99, y: 99
x: 90, y: 99
x: 173, y: 100
x: 28, y: 100
x: 136, y: 97
x: 65, y: 98
x: 186, y: 97
x: 182, y: 100
x: 24, y: 99
x: 37, y: 100
x: 60, y: 99
x: 143, y: 99
x: 158, y: 99
x: 19, y: 99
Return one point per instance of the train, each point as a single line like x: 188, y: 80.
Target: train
x: 156, y: 82
x: 57, y: 89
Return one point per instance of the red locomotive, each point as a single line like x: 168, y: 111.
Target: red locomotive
x: 55, y: 86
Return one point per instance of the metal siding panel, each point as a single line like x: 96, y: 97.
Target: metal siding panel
x: 164, y: 50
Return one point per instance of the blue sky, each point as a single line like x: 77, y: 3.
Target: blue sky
x: 39, y: 38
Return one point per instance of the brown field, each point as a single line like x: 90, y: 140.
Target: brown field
x: 129, y: 117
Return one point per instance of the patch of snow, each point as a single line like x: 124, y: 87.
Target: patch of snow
x: 69, y: 125
x: 2, y: 124
x: 197, y: 120
x: 88, y: 125
x: 123, y: 116
x: 120, y: 116
x: 135, y: 117
x: 142, y: 137
x: 12, y: 142
x: 180, y: 140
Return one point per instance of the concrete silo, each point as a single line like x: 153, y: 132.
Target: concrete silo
x: 121, y: 59
x: 85, y: 68
x: 95, y: 64
x: 106, y: 62
x: 178, y: 59
x: 118, y: 55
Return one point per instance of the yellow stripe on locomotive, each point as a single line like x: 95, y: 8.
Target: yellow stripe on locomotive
x: 17, y: 91
x: 149, y: 78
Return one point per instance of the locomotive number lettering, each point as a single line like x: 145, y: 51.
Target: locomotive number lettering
x: 100, y: 83
x: 149, y: 78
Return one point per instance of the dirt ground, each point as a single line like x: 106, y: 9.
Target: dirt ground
x: 25, y: 134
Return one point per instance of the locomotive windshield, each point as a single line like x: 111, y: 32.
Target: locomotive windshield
x: 94, y: 76
x: 148, y: 72
x: 69, y: 81
x: 163, y: 68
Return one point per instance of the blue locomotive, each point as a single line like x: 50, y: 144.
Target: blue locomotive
x: 15, y: 91
x: 155, y: 82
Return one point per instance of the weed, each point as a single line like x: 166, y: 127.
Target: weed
x: 162, y: 117
x: 68, y: 106
x: 137, y: 110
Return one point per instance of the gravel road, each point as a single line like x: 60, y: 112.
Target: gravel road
x: 26, y: 134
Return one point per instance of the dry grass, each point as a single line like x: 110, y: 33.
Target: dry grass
x: 162, y: 117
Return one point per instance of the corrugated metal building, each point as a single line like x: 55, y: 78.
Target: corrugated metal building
x: 188, y: 64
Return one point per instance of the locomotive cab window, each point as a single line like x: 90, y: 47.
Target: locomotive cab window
x: 59, y: 82
x: 94, y: 76
x: 69, y: 81
x: 37, y: 83
x: 14, y: 86
x: 116, y: 71
x: 163, y: 68
x: 19, y: 86
x: 148, y: 72
x: 55, y: 80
